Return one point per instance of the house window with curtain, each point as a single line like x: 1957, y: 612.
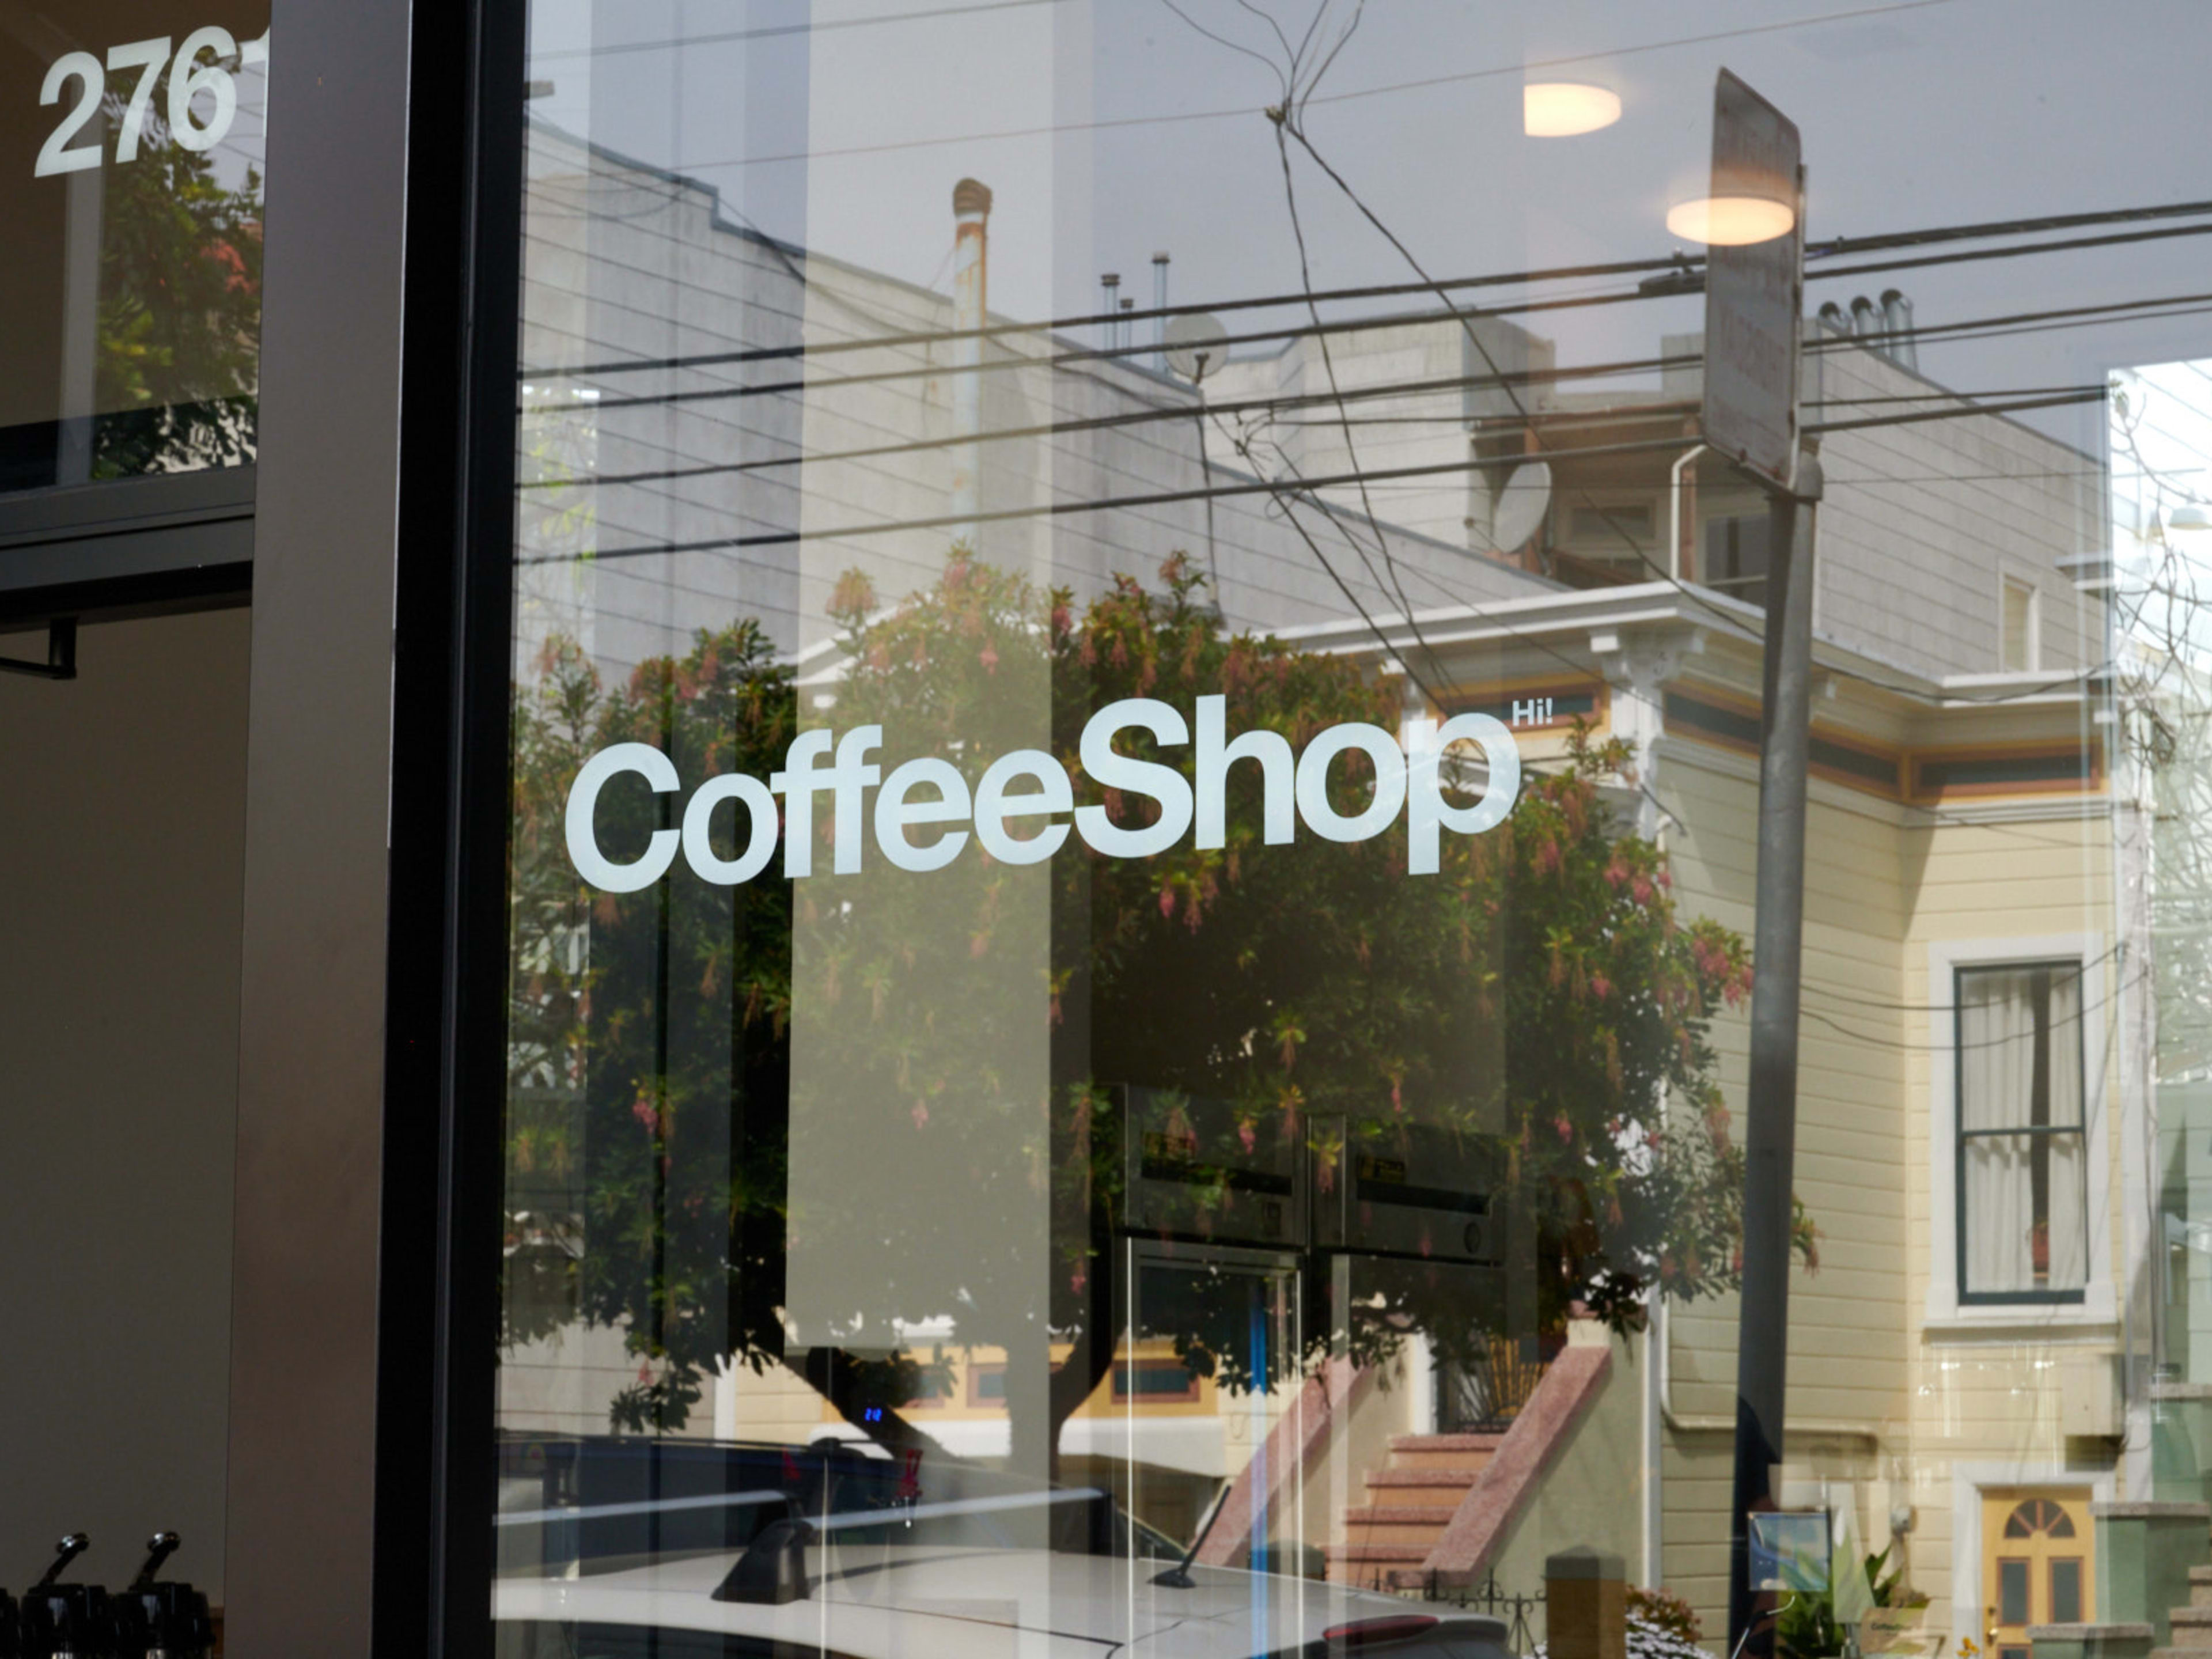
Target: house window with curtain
x: 2023, y: 1192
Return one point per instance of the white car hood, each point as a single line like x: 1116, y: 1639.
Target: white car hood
x: 919, y: 1603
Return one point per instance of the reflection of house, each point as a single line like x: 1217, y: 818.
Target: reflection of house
x: 1964, y: 1104
x: 1968, y: 1123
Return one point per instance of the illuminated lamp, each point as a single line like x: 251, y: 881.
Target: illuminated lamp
x: 1730, y: 220
x: 1566, y: 109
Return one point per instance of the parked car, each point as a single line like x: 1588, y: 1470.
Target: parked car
x: 625, y: 1548
x: 820, y: 1596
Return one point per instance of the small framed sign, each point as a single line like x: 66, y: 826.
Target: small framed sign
x: 1789, y: 1551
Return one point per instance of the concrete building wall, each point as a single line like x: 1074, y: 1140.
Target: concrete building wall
x: 1923, y: 521
x: 653, y: 272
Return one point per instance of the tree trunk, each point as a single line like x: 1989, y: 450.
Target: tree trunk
x: 835, y: 1375
x: 1072, y: 1383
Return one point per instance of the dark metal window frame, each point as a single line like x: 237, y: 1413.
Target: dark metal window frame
x: 447, y: 972
x: 1961, y: 1134
x: 127, y: 547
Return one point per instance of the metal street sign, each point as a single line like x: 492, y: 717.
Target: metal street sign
x: 1754, y: 291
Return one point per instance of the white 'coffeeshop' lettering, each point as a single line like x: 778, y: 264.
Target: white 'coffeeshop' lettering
x: 1030, y: 784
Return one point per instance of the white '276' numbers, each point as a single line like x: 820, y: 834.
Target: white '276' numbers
x: 198, y: 125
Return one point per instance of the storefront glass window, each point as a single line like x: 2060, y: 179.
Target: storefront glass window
x: 1144, y: 638
x: 133, y: 198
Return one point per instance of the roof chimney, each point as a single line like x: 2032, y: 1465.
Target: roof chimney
x: 971, y: 215
x: 971, y: 200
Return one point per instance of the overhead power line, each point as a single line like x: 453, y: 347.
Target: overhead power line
x: 1627, y: 414
x: 1688, y: 265
x: 1068, y: 359
x: 1168, y: 497
x: 772, y: 32
x: 1518, y: 68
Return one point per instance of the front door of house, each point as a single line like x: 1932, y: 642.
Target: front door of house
x: 2037, y: 1564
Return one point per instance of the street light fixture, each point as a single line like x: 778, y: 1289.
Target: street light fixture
x: 1566, y: 109
x: 1730, y: 220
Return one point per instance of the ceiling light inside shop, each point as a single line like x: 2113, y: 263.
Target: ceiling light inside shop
x: 1565, y: 109
x: 1729, y: 221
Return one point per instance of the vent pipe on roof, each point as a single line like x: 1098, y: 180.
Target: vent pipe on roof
x: 971, y: 217
x: 1160, y: 305
x: 1896, y: 314
x: 1886, y: 328
x: 1110, y: 286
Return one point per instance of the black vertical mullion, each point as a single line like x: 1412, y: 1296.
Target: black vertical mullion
x: 446, y: 996
x: 2038, y: 1116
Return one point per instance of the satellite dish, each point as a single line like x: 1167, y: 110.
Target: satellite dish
x: 1522, y: 504
x: 1194, y: 344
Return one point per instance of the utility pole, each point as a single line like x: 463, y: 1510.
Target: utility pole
x: 1754, y: 333
x: 1778, y: 951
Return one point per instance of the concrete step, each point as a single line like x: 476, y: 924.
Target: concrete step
x: 1400, y: 1486
x: 1371, y: 1565
x: 2192, y: 1628
x: 1397, y: 1523
x: 2200, y: 1587
x: 1443, y: 1451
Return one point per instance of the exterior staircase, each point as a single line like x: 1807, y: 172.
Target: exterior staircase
x: 2193, y: 1625
x: 1412, y: 1498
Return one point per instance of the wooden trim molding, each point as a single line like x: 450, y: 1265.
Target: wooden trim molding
x: 2046, y: 766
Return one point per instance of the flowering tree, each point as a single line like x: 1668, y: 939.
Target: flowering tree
x: 648, y: 1049
x: 1539, y: 992
x: 179, y: 311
